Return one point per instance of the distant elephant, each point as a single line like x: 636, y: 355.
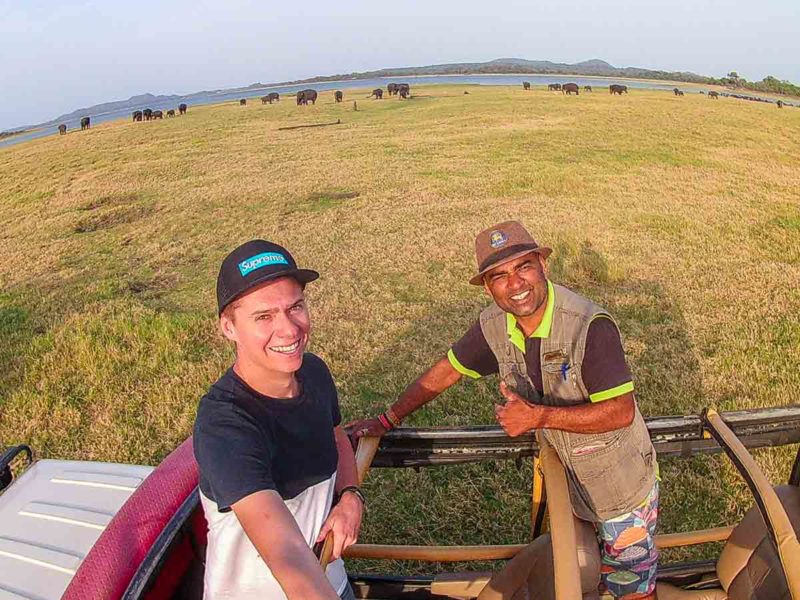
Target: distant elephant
x: 338, y: 96
x: 675, y: 91
x: 570, y: 88
x: 587, y: 88
x: 378, y: 93
x: 264, y: 99
x: 306, y: 96
x: 171, y: 112
x: 392, y: 89
x: 243, y: 102
x: 85, y: 122
x: 137, y: 116
x: 157, y: 114
x: 680, y: 93
x: 553, y: 87
x: 714, y: 95
x: 273, y: 97
x: 404, y: 90
x: 62, y: 129
x: 780, y: 104
x: 182, y: 109
x: 616, y: 88
x: 147, y: 113
x: 526, y: 85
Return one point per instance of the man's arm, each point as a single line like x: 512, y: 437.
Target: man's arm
x: 517, y: 416
x: 344, y: 520
x: 275, y: 534
x: 429, y: 385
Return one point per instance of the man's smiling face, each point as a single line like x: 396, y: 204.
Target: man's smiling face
x: 518, y: 286
x: 270, y: 326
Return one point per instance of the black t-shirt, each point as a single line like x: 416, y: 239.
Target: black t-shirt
x: 604, y: 369
x: 245, y: 442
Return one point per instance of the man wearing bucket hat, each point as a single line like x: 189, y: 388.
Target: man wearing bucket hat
x: 562, y: 370
x: 268, y: 442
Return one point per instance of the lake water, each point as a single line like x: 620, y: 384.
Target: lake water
x: 223, y: 96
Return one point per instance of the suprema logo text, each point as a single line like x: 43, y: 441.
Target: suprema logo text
x: 261, y: 260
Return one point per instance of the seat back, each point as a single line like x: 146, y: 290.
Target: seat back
x: 749, y: 568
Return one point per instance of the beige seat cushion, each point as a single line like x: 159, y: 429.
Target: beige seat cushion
x: 670, y: 592
x: 749, y: 567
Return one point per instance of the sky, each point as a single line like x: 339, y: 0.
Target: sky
x: 57, y: 56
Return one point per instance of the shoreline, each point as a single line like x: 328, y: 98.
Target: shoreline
x: 666, y: 82
x: 4, y: 135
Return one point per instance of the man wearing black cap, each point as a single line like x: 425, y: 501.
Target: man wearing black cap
x: 267, y: 439
x: 562, y: 371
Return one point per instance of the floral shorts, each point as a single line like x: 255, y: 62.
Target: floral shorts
x: 628, y: 549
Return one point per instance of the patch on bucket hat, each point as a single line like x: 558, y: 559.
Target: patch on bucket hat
x: 497, y: 239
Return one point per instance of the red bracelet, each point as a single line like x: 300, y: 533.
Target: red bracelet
x: 393, y: 418
x: 387, y: 424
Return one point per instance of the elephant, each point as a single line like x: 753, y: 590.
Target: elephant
x: 171, y: 112
x: 338, y: 96
x: 181, y: 109
x: 526, y: 85
x: 392, y: 89
x: 554, y: 87
x: 569, y: 88
x: 378, y: 93
x: 137, y: 115
x: 714, y: 95
x: 243, y: 102
x: 62, y: 129
x: 157, y: 114
x: 780, y: 103
x: 147, y: 113
x: 85, y: 122
x: 270, y: 98
x: 306, y: 96
x: 616, y: 88
x: 404, y: 90
x: 587, y: 88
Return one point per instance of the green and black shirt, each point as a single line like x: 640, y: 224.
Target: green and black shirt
x: 604, y: 370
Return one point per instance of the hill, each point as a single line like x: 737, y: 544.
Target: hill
x: 594, y: 67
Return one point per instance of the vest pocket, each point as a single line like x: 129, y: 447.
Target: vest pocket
x: 608, y: 469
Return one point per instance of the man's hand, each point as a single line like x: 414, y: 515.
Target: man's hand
x: 516, y: 416
x: 344, y: 521
x: 370, y: 427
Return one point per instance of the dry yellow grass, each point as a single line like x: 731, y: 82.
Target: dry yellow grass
x: 682, y: 215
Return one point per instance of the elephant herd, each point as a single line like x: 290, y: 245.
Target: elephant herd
x: 303, y: 98
x: 403, y: 90
x: 573, y: 88
x: 393, y: 89
x: 148, y: 114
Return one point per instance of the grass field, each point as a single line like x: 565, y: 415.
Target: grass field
x: 681, y: 215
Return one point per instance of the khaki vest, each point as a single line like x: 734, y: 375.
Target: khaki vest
x: 609, y: 473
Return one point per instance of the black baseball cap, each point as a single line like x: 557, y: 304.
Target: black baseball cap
x: 252, y: 264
